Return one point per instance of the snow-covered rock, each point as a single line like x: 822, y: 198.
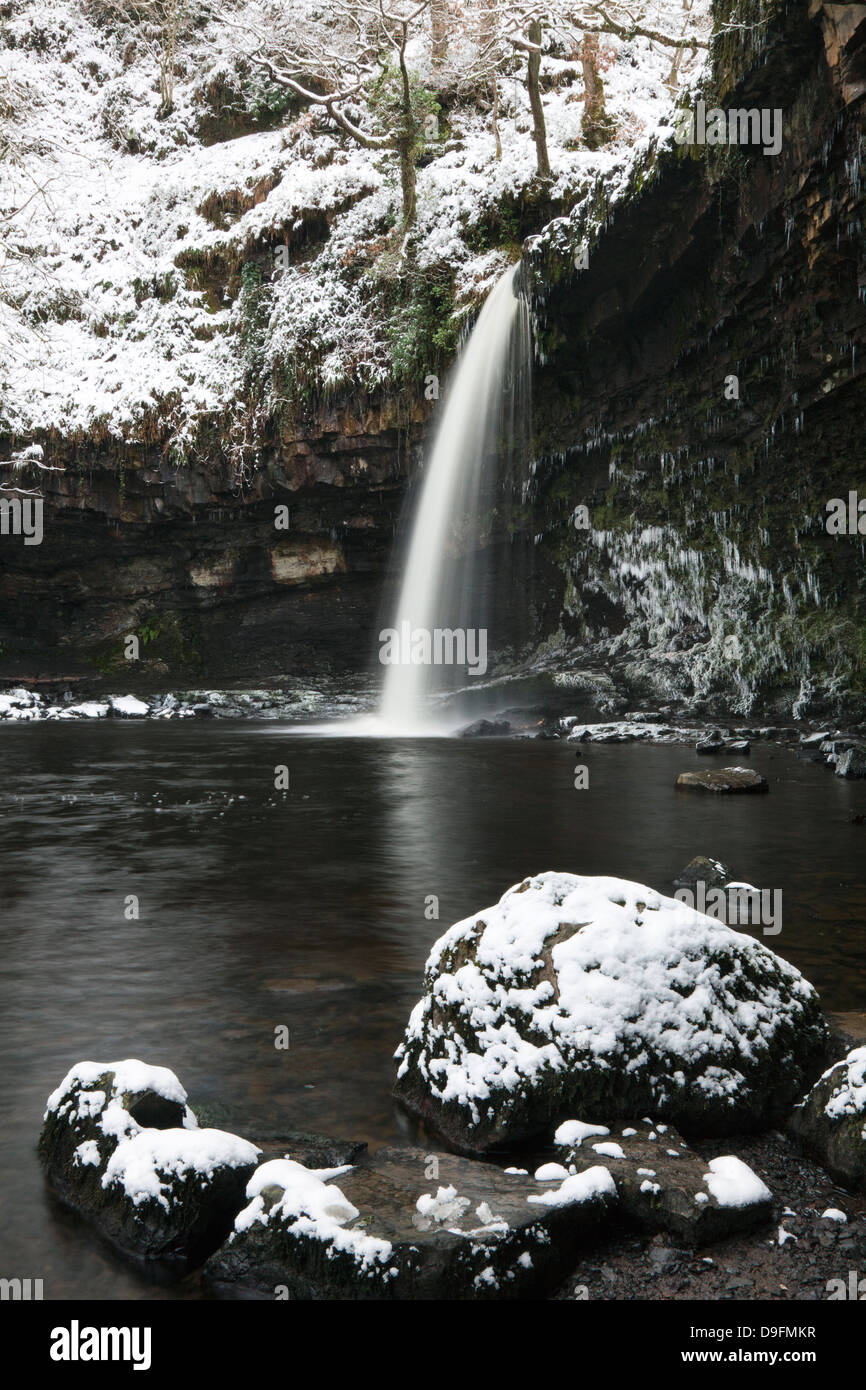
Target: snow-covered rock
x: 830, y: 1124
x: 385, y: 1229
x: 664, y: 1186
x: 601, y: 997
x: 128, y: 707
x: 121, y: 1146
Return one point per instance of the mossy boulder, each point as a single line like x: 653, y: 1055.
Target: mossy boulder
x: 596, y: 996
x: 121, y: 1147
x: 830, y: 1124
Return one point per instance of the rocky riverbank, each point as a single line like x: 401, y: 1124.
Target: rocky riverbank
x: 647, y: 1104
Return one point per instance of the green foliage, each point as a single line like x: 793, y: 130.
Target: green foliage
x: 422, y: 329
x: 386, y: 100
x: 147, y: 632
x: 253, y: 311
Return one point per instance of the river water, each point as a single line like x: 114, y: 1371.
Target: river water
x: 307, y: 909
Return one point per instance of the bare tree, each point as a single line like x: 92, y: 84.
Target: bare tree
x: 595, y: 126
x: 506, y: 26
x: 355, y: 68
x: 157, y: 25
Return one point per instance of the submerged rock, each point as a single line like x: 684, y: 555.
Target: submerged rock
x: 701, y: 869
x: 830, y: 1124
x: 728, y: 780
x: 664, y: 1186
x: 602, y: 997
x: 121, y: 1147
x: 388, y: 1230
x: 486, y: 728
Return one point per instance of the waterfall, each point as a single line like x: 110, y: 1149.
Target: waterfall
x: 442, y: 591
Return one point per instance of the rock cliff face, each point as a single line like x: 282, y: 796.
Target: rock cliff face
x: 700, y: 393
x: 703, y: 393
x: 220, y: 583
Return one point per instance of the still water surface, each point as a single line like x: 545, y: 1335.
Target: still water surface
x: 308, y: 909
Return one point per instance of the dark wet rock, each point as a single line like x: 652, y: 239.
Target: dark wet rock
x: 486, y: 728
x: 701, y: 869
x: 814, y: 740
x: 308, y: 1147
x: 852, y: 761
x: 122, y: 1148
x: 664, y: 1185
x: 713, y: 742
x: 204, y: 711
x: 386, y: 1230
x: 738, y: 745
x: 847, y: 1031
x: 726, y: 782
x: 829, y: 1123
x: 595, y: 996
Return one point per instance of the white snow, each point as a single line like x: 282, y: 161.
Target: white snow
x: 833, y: 1214
x: 130, y: 1076
x: 572, y: 1133
x: 445, y: 1206
x: 550, y: 1172
x: 609, y: 1150
x: 128, y: 706
x: 144, y: 1164
x: 311, y: 1206
x: 848, y: 1094
x: 87, y: 1153
x: 733, y: 1183
x: 577, y: 1187
x: 110, y: 323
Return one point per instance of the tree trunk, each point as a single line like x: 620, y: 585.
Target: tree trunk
x: 487, y: 26
x: 596, y: 126
x: 494, y: 116
x: 533, y: 67
x: 439, y: 30
x: 407, y: 182
x: 406, y: 140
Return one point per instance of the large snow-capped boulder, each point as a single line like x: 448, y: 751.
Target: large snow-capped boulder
x: 602, y: 997
x: 830, y: 1124
x: 386, y: 1229
x: 121, y: 1146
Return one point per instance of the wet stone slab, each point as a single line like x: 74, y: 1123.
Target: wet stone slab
x: 471, y: 1231
x: 664, y: 1186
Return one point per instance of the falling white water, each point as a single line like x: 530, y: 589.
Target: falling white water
x: 481, y: 402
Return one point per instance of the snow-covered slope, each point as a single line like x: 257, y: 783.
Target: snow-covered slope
x: 129, y: 311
